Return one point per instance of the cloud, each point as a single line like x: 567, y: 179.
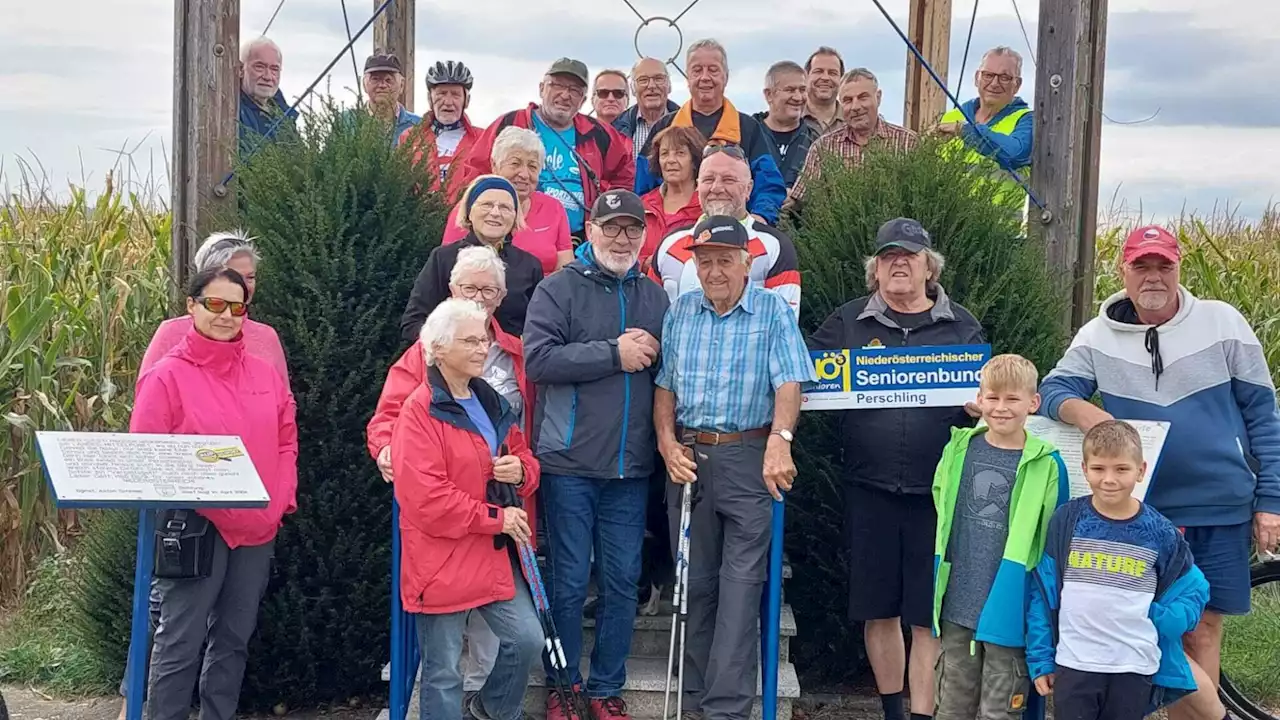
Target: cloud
x: 81, y: 77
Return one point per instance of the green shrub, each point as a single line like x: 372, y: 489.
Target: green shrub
x: 991, y: 270
x: 343, y: 232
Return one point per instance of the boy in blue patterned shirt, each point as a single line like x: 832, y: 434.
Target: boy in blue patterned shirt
x: 1116, y: 591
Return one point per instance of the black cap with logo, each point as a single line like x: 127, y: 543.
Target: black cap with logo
x: 383, y: 62
x: 903, y: 233
x: 720, y: 231
x: 616, y: 204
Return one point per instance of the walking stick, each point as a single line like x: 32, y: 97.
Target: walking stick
x: 679, y: 605
x: 555, y: 651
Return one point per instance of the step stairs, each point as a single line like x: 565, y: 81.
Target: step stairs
x: 646, y: 668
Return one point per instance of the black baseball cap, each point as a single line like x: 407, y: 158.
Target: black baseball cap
x: 383, y: 62
x: 569, y: 66
x: 720, y: 231
x: 616, y: 204
x: 903, y: 233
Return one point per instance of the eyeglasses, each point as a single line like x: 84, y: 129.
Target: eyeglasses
x: 488, y: 292
x: 488, y: 207
x: 634, y: 232
x: 576, y: 90
x: 475, y: 343
x: 733, y: 151
x: 217, y: 306
x: 647, y: 80
x: 603, y: 93
x: 1004, y: 79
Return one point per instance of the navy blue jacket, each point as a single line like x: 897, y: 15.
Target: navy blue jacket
x: 255, y: 121
x: 625, y: 123
x: 591, y: 419
x: 796, y: 153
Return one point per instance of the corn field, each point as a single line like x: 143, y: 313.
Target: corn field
x: 83, y: 285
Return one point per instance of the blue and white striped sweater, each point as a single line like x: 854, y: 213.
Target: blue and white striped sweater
x: 1215, y: 391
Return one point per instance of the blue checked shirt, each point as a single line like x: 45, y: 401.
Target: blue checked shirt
x: 724, y: 370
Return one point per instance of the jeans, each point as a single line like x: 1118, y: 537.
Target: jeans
x: 519, y: 641
x: 479, y: 654
x: 607, y: 517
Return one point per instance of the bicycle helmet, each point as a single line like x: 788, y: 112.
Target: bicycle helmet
x: 449, y: 72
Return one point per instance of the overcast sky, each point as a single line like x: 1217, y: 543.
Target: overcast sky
x: 81, y: 79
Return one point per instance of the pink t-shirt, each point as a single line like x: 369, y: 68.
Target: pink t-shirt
x: 545, y: 233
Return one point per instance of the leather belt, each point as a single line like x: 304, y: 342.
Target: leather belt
x: 690, y: 436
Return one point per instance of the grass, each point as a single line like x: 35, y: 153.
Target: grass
x: 83, y: 285
x: 1249, y: 643
x: 39, y: 646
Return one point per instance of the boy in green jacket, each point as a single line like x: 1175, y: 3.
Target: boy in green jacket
x: 995, y: 490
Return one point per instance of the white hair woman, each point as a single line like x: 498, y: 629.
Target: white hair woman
x: 478, y: 275
x: 518, y: 156
x: 462, y: 470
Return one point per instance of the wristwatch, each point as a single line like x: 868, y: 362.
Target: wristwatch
x: 784, y: 434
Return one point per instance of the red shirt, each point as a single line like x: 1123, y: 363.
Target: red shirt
x: 658, y: 223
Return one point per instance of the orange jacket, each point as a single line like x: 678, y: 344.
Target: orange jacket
x: 443, y: 466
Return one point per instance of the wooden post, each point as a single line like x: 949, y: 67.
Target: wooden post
x: 206, y: 96
x: 1071, y: 54
x: 929, y: 28
x: 393, y: 33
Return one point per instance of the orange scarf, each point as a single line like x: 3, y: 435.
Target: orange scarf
x: 728, y: 130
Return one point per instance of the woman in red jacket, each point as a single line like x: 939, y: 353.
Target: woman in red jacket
x: 461, y: 468
x: 674, y: 204
x: 208, y: 384
x: 477, y: 275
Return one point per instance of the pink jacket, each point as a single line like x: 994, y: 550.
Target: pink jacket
x: 260, y: 339
x: 207, y: 387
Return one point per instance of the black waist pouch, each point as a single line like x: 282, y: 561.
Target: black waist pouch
x: 503, y: 495
x: 184, y: 546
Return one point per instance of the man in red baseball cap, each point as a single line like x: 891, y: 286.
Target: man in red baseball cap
x: 1157, y: 352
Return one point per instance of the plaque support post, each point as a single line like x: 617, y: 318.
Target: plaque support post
x: 140, y: 629
x: 771, y: 617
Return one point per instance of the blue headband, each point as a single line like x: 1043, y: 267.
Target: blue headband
x: 491, y: 183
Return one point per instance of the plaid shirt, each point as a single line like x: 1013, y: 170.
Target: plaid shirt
x: 841, y: 143
x: 725, y: 369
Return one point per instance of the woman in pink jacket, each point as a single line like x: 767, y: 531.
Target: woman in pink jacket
x: 208, y: 384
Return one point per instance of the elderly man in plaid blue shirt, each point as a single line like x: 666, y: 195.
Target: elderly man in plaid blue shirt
x: 728, y: 392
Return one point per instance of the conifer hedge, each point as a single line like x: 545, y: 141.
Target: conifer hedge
x: 991, y: 269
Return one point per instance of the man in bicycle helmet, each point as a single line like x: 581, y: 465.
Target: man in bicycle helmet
x: 446, y: 133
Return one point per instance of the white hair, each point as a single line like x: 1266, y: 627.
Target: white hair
x: 259, y: 42
x: 479, y: 259
x: 709, y: 44
x: 219, y: 248
x: 933, y: 262
x: 1003, y: 51
x: 517, y: 139
x: 441, y: 327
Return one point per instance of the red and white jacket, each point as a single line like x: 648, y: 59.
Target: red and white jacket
x: 446, y: 168
x: 774, y: 265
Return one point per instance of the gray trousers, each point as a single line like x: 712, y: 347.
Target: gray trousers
x: 222, y: 608
x: 728, y: 565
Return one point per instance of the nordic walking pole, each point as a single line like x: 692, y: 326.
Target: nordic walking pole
x: 771, y: 619
x: 679, y: 605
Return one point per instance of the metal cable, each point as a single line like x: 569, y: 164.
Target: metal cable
x: 273, y: 17
x: 973, y: 20
x: 351, y: 42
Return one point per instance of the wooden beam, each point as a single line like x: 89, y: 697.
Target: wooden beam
x: 206, y: 96
x: 393, y: 33
x: 1071, y: 55
x: 929, y: 28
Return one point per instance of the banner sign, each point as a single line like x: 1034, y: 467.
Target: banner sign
x: 894, y: 377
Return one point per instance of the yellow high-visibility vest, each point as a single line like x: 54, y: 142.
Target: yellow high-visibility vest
x: 1009, y: 190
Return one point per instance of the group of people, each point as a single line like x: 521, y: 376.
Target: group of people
x: 549, y: 394
x: 814, y: 110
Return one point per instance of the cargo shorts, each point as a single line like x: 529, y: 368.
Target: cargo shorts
x: 979, y: 680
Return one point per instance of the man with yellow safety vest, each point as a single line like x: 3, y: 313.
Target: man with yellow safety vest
x: 1003, y: 126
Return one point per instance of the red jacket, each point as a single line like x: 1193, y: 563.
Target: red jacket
x: 658, y: 224
x: 421, y: 140
x: 442, y: 467
x: 605, y: 153
x: 410, y: 371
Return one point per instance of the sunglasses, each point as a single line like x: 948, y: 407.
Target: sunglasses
x: 733, y: 151
x: 606, y: 93
x: 217, y: 306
